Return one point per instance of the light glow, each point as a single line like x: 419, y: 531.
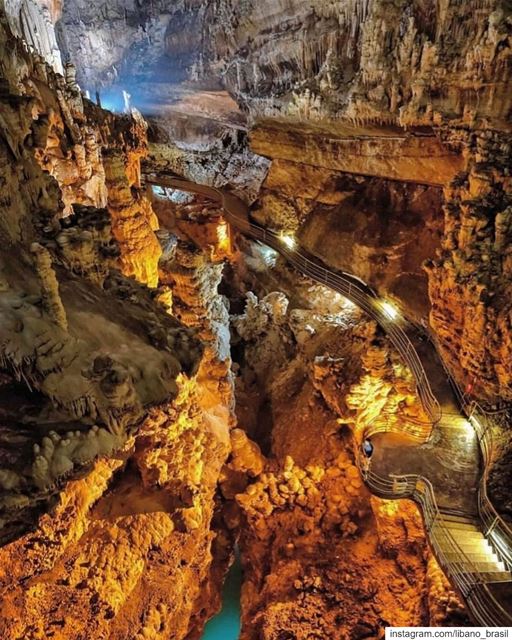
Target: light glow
x: 390, y: 310
x: 223, y: 236
x: 348, y: 304
x: 288, y: 240
x: 469, y: 429
x: 269, y: 255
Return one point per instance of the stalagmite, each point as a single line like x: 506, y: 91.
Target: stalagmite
x: 261, y: 320
x: 49, y: 285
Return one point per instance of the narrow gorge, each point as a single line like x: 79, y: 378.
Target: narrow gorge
x: 256, y: 318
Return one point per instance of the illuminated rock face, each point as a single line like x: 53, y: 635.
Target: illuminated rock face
x: 321, y: 556
x: 101, y: 168
x: 114, y: 416
x: 133, y: 220
x: 63, y: 301
x: 127, y: 463
x: 380, y: 230
x: 470, y: 278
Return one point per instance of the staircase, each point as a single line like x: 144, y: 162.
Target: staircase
x: 460, y: 546
x: 475, y: 554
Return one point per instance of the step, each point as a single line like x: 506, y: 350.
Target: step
x: 457, y: 534
x: 458, y: 516
x: 472, y: 556
x: 454, y: 523
x: 467, y: 546
x: 496, y: 576
x: 481, y: 567
x: 467, y: 551
x: 460, y: 526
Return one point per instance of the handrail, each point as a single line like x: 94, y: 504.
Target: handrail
x: 486, y: 610
x: 344, y: 283
x: 415, y: 428
x: 498, y: 531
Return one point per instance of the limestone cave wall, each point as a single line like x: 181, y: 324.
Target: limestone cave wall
x: 135, y: 454
x: 382, y: 60
x: 114, y: 414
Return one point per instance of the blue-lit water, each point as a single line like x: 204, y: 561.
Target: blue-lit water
x: 226, y: 624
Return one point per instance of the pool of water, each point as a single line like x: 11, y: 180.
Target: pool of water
x: 226, y: 624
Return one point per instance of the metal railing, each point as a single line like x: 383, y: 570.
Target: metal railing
x: 454, y: 561
x: 495, y: 528
x: 459, y: 567
x: 349, y: 287
x: 419, y: 430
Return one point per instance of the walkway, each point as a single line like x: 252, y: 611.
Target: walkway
x: 445, y: 473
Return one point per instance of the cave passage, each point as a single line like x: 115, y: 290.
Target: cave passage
x: 444, y: 402
x: 226, y: 624
x: 255, y: 319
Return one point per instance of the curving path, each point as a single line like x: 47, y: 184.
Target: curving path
x: 444, y: 472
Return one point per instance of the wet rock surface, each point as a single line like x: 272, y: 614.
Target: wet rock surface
x: 333, y: 380
x: 134, y: 453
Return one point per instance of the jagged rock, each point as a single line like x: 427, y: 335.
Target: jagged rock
x: 470, y: 284
x: 115, y: 418
x: 64, y: 335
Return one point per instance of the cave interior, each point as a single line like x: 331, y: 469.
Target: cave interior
x: 255, y: 318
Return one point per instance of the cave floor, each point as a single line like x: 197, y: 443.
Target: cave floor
x: 450, y: 459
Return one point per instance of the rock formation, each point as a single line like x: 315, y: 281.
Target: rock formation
x: 64, y: 333
x: 171, y: 391
x: 309, y: 496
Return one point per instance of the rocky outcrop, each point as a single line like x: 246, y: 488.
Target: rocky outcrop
x: 93, y: 156
x: 469, y: 280
x: 393, y: 153
x: 206, y: 151
x: 127, y: 554
x: 133, y: 220
x: 64, y: 307
x: 101, y: 168
x: 325, y: 378
x: 374, y: 61
x: 137, y: 548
